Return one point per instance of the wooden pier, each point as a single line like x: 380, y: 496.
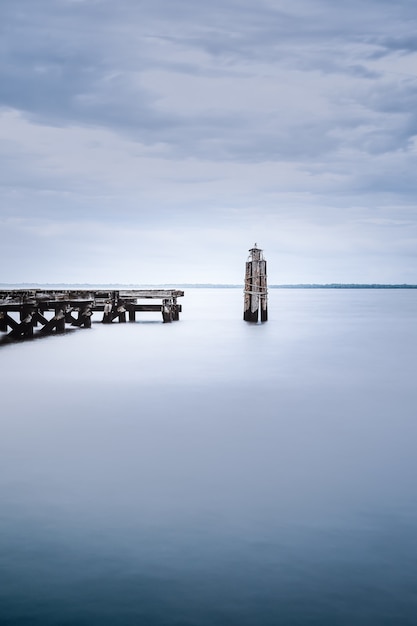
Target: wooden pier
x: 256, y: 292
x: 52, y: 309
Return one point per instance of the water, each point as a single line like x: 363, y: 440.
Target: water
x: 215, y: 473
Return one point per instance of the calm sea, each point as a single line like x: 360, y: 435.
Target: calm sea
x: 211, y: 472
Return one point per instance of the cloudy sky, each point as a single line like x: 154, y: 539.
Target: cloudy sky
x: 151, y: 141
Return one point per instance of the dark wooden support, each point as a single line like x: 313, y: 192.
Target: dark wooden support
x: 69, y: 318
x: 255, y: 294
x: 50, y: 325
x: 40, y: 318
x: 121, y: 312
x: 26, y: 313
x: 3, y: 322
x: 22, y: 330
x: 264, y: 310
x: 175, y: 310
x: 60, y: 320
x: 78, y: 321
x: 107, y: 315
x: 263, y: 290
x: 113, y: 309
x: 10, y: 321
x: 132, y: 314
x: 27, y: 324
x: 167, y: 311
x: 250, y: 310
x: 85, y: 316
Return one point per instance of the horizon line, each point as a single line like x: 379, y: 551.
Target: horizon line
x: 33, y: 285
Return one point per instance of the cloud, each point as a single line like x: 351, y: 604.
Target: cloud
x: 206, y: 116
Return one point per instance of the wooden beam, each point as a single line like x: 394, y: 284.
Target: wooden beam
x: 11, y: 322
x: 3, y: 322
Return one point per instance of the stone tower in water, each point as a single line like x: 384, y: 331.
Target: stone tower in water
x: 256, y: 293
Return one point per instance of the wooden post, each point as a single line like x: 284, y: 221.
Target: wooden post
x: 166, y: 311
x: 263, y: 291
x: 175, y: 310
x: 255, y: 294
x: 60, y: 321
x: 86, y: 315
x: 121, y: 312
x: 107, y: 315
x: 27, y: 325
x: 132, y: 313
x: 69, y: 318
x: 3, y: 322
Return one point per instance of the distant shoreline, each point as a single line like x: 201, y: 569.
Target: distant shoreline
x: 6, y: 286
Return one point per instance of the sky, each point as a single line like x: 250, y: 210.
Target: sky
x: 155, y: 141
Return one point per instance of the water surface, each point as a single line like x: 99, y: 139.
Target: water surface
x: 214, y: 472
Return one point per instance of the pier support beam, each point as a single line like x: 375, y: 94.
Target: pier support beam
x: 83, y: 318
x: 86, y: 315
x: 69, y: 318
x: 57, y: 323
x: 167, y: 311
x: 121, y: 312
x: 24, y: 330
x: 3, y: 322
x: 175, y: 310
x: 60, y: 320
x: 107, y: 314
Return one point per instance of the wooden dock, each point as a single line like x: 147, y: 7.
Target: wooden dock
x: 51, y: 310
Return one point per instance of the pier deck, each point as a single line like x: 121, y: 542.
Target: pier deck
x: 76, y: 306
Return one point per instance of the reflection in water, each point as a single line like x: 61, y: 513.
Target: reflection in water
x: 212, y: 471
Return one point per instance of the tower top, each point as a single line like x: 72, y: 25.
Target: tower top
x: 255, y: 253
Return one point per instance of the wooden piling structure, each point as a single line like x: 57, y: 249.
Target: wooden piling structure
x: 76, y: 307
x: 256, y: 291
